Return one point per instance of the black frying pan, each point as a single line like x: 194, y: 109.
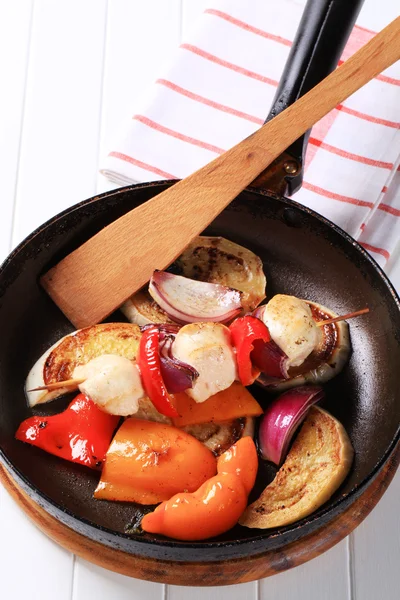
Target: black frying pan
x: 303, y: 254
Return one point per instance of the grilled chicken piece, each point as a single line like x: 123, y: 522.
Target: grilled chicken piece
x: 326, y: 360
x: 292, y: 327
x: 60, y: 361
x: 113, y: 383
x: 317, y: 464
x: 207, y: 347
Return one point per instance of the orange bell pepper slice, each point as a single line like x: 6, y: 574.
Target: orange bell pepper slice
x: 216, y: 506
x: 149, y: 462
x: 232, y: 403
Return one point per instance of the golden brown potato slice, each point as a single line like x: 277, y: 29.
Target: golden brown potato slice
x: 315, y: 467
x: 78, y: 348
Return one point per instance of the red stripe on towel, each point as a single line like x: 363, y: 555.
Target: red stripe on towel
x: 247, y: 27
x: 228, y: 65
x: 142, y: 165
x: 180, y: 136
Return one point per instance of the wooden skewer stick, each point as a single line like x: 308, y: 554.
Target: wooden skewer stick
x: 58, y: 384
x: 351, y: 315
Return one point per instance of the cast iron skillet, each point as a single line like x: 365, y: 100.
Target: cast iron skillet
x: 303, y: 254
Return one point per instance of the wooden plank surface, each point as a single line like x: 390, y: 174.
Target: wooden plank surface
x: 89, y: 62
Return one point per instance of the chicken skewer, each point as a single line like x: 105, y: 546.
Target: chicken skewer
x: 78, y: 381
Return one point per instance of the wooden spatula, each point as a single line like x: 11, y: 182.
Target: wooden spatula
x: 99, y: 276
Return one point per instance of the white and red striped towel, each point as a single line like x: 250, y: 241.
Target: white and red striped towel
x: 219, y: 90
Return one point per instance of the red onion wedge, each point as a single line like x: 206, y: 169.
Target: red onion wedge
x: 282, y: 418
x: 177, y: 375
x: 190, y: 301
x: 270, y: 359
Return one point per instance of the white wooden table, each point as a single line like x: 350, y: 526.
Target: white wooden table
x: 69, y: 72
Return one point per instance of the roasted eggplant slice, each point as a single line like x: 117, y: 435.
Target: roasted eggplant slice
x: 325, y: 362
x: 59, y: 362
x: 218, y: 437
x: 218, y: 260
x: 142, y: 310
x: 317, y: 464
x: 212, y: 259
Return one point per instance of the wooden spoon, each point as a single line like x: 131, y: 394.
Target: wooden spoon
x: 99, y: 276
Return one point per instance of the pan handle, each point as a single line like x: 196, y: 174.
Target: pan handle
x: 320, y: 39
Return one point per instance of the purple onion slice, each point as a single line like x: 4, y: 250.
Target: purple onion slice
x: 177, y: 375
x: 270, y: 359
x: 190, y: 301
x: 282, y: 418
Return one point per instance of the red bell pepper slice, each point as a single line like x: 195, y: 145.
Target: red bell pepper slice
x: 150, y: 370
x: 245, y: 332
x: 80, y: 434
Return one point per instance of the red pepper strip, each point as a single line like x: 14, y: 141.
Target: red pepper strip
x: 245, y: 332
x: 150, y: 370
x: 81, y: 434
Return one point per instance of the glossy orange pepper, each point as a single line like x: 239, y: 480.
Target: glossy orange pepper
x: 149, y: 462
x: 216, y: 506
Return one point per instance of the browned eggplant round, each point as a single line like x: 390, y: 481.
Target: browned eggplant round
x: 303, y: 254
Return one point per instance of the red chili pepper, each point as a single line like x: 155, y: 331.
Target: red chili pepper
x: 245, y: 332
x: 81, y: 434
x: 150, y: 370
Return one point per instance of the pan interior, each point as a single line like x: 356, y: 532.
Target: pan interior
x: 302, y: 256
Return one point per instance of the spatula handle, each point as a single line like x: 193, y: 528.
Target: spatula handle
x: 267, y: 143
x: 100, y: 275
x: 320, y: 39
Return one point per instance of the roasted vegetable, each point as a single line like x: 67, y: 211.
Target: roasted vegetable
x: 211, y: 259
x: 149, y: 462
x: 219, y: 436
x: 149, y: 364
x: 190, y: 301
x: 246, y: 332
x: 282, y: 418
x: 232, y: 403
x: 216, y: 506
x: 142, y: 310
x: 315, y: 467
x: 80, y: 434
x: 59, y: 362
x: 218, y: 260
